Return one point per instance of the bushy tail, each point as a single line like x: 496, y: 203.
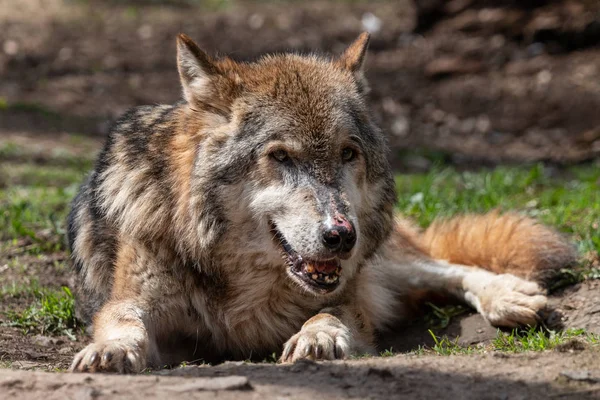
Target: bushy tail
x: 501, y: 243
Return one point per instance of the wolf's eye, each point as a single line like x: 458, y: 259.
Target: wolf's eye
x: 348, y: 154
x: 280, y: 155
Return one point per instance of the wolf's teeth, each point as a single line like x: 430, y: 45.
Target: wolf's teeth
x: 338, y: 270
x: 314, y: 276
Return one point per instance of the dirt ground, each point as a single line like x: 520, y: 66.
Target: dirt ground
x: 466, y: 83
x: 540, y: 376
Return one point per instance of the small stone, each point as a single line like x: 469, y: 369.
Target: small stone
x: 43, y: 341
x: 544, y: 77
x: 579, y: 375
x: 144, y: 32
x: 438, y: 115
x: 400, y: 126
x: 256, y: 21
x: 483, y: 124
x: 65, y: 350
x: 221, y: 383
x: 10, y: 47
x: 371, y: 23
x: 65, y: 54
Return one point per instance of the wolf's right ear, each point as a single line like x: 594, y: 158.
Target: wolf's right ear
x: 202, y: 81
x: 353, y: 60
x: 353, y: 57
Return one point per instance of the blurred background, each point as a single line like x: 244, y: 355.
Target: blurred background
x: 465, y: 81
x: 487, y: 105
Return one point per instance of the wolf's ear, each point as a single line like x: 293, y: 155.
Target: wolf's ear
x: 201, y: 78
x: 353, y: 58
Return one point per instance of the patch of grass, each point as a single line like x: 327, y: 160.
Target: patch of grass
x: 271, y: 359
x: 360, y: 356
x: 33, y: 175
x: 443, y: 346
x: 37, y: 214
x: 440, y: 317
x: 387, y: 352
x: 516, y: 341
x: 30, y: 107
x: 14, y: 290
x: 51, y: 314
x: 538, y: 339
x: 9, y: 149
x: 34, y: 198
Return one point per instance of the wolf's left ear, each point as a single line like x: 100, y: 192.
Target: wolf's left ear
x: 201, y: 78
x: 353, y: 58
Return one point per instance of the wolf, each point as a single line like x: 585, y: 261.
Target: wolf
x: 256, y: 215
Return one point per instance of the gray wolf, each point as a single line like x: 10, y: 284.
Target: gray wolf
x: 257, y: 216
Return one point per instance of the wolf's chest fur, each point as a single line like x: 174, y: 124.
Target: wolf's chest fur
x: 256, y: 305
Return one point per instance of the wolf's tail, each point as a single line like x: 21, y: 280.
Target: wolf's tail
x: 501, y: 243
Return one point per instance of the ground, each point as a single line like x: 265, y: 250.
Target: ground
x: 494, y: 376
x: 458, y: 92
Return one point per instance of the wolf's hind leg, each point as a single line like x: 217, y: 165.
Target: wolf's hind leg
x: 491, y: 259
x: 121, y: 341
x: 503, y: 300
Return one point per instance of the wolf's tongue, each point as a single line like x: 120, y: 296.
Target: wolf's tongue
x: 326, y: 267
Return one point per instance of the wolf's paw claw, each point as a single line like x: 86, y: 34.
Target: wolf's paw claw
x: 110, y: 356
x: 509, y: 301
x: 317, y: 343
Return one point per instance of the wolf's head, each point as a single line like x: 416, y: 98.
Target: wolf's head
x: 291, y: 159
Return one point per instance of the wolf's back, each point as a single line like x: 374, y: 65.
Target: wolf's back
x: 501, y: 243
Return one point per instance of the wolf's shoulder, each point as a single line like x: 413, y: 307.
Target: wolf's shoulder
x: 140, y: 131
x: 143, y: 119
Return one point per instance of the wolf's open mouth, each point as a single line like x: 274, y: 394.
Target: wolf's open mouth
x: 320, y: 274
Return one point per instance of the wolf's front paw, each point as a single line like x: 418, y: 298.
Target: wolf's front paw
x: 110, y: 356
x: 324, y: 339
x: 506, y: 300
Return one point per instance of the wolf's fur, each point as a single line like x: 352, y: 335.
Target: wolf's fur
x: 173, y: 233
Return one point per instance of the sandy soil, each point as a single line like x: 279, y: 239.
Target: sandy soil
x: 572, y: 375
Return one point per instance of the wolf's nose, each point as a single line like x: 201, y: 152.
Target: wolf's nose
x: 340, y: 237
